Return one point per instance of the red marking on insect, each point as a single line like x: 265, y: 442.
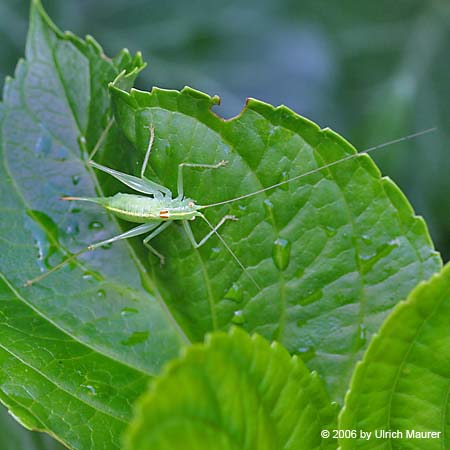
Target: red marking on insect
x: 164, y: 214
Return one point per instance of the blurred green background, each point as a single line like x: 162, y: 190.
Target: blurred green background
x: 372, y: 71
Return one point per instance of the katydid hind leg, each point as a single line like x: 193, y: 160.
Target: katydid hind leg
x: 136, y: 231
x: 138, y: 184
x: 139, y: 230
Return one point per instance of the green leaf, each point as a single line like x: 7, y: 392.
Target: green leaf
x: 333, y: 252
x: 403, y: 381
x: 15, y: 437
x: 233, y: 392
x: 70, y: 360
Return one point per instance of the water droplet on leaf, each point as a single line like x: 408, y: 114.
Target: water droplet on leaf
x: 215, y: 252
x: 72, y: 229
x: 43, y: 145
x: 62, y: 153
x: 370, y: 259
x: 281, y: 253
x: 95, y: 225
x: 361, y: 337
x: 92, y: 275
x: 90, y: 389
x: 136, y: 338
x: 312, y: 297
x: 99, y: 390
x: 45, y: 234
x: 81, y: 141
x: 234, y: 293
x: 128, y: 311
x: 284, y: 177
x: 238, y: 317
x: 306, y: 353
x: 331, y: 231
x: 268, y: 207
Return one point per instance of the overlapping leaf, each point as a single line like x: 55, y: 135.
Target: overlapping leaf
x: 403, y: 382
x: 234, y: 393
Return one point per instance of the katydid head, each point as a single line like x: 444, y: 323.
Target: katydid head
x: 176, y: 209
x: 194, y: 208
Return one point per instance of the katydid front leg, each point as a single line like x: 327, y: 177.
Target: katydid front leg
x: 155, y: 233
x: 191, y: 236
x: 224, y: 243
x: 180, y: 185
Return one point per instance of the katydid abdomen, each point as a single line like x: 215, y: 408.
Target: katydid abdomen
x: 135, y: 208
x: 142, y: 209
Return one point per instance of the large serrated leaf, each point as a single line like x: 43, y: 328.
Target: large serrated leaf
x: 333, y: 252
x: 234, y: 393
x: 402, y: 384
x: 76, y: 349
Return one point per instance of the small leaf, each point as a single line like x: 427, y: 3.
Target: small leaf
x: 234, y: 392
x: 403, y: 381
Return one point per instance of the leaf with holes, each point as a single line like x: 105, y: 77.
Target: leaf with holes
x: 402, y: 384
x: 234, y: 393
x: 333, y: 252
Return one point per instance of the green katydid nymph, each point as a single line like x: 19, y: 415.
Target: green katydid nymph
x: 158, y: 208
